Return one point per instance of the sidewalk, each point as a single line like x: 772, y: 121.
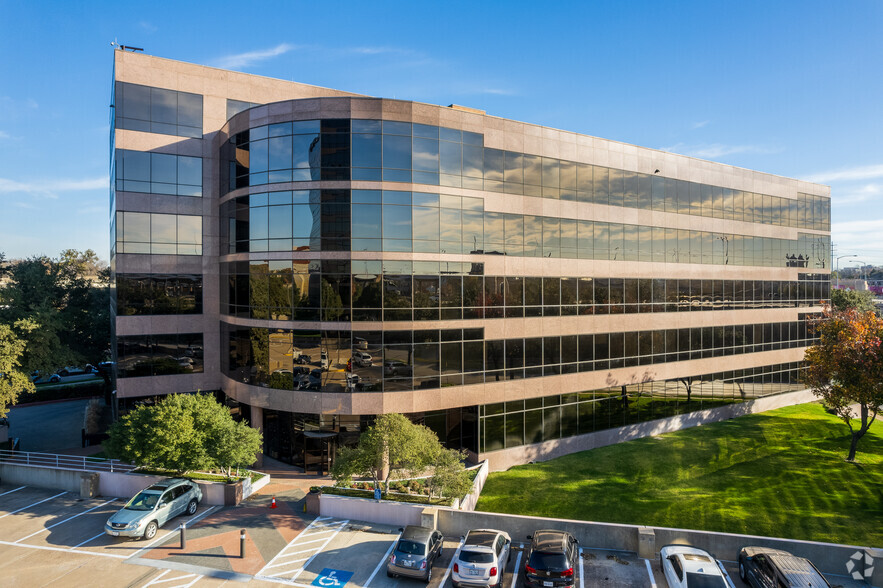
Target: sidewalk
x: 285, y: 478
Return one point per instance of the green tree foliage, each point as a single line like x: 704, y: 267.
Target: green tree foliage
x: 860, y: 300
x: 12, y: 380
x: 184, y: 432
x: 846, y: 367
x: 393, y: 444
x: 72, y: 312
x: 449, y: 477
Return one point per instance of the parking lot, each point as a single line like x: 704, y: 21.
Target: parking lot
x: 53, y: 538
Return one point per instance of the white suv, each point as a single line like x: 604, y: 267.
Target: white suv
x: 362, y: 359
x: 482, y: 560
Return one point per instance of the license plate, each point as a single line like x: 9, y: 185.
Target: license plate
x: 548, y: 583
x: 407, y: 563
x: 474, y: 572
x: 115, y: 533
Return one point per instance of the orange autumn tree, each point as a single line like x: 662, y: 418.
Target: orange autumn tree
x: 845, y: 368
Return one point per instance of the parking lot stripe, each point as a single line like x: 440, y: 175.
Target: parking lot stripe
x: 582, y: 582
x: 189, y: 523
x: 382, y: 561
x: 67, y: 550
x: 11, y: 491
x: 518, y: 564
x: 159, y: 580
x: 282, y: 555
x: 65, y: 520
x: 30, y: 505
x: 451, y: 565
x: 649, y: 572
x: 86, y: 541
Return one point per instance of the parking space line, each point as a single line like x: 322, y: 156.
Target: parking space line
x: 582, y: 581
x: 30, y: 505
x: 65, y: 520
x: 86, y: 541
x: 281, y: 558
x: 518, y: 564
x: 382, y: 561
x: 649, y: 572
x: 451, y: 565
x: 11, y: 491
x: 159, y: 580
x: 194, y: 581
x: 189, y: 523
x: 66, y: 550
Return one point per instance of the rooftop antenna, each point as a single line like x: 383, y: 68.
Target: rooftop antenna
x: 125, y: 47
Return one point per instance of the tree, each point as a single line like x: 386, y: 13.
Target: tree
x: 449, y: 477
x: 69, y: 299
x: 845, y: 368
x: 860, y: 300
x: 12, y: 380
x: 392, y: 444
x: 183, y: 432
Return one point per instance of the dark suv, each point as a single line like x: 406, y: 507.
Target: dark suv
x: 763, y: 567
x: 550, y: 559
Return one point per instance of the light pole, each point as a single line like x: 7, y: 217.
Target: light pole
x: 861, y: 267
x: 837, y: 268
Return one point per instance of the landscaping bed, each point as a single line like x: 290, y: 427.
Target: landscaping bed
x: 780, y: 473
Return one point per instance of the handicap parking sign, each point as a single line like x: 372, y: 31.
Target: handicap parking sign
x: 332, y: 578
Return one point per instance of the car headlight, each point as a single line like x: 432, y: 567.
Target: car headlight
x: 133, y: 525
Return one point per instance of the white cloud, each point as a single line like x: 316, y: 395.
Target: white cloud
x: 240, y: 60
x: 859, y: 237
x: 857, y: 194
x: 700, y: 124
x: 714, y: 150
x: 4, y: 135
x: 51, y: 188
x: 862, y: 172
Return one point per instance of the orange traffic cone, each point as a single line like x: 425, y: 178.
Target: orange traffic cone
x: 273, y: 503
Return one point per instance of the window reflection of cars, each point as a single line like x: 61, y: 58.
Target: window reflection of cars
x: 396, y: 368
x: 362, y: 359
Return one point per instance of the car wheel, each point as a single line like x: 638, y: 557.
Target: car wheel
x: 742, y: 573
x: 150, y: 530
x: 54, y: 379
x: 390, y: 574
x: 191, y: 507
x: 429, y: 575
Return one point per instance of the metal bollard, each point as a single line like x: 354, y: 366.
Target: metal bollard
x: 183, y: 536
x: 242, y: 544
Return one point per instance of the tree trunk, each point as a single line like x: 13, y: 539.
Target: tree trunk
x: 853, y: 444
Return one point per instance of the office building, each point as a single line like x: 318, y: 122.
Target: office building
x: 318, y: 257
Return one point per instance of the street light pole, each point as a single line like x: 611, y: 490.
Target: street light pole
x: 837, y: 268
x: 861, y: 268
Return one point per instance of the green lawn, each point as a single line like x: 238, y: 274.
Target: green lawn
x: 781, y: 473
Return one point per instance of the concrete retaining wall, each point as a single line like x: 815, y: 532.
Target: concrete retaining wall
x: 57, y: 479
x: 110, y: 484
x: 506, y: 458
x: 395, y: 514
x: 471, y: 499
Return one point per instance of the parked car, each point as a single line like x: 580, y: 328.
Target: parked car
x: 362, y: 359
x: 315, y: 379
x: 324, y: 363
x: 76, y: 371
x: 303, y: 359
x: 414, y: 554
x: 690, y: 567
x: 762, y: 567
x: 482, y: 559
x: 153, y: 507
x: 550, y: 559
x: 395, y: 367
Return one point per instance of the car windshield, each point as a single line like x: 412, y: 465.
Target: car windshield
x: 143, y: 501
x: 548, y: 561
x: 411, y: 547
x: 705, y: 581
x: 476, y: 557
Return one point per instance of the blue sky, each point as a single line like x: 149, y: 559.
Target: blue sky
x: 791, y: 88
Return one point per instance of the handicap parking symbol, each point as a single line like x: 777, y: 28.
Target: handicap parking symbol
x: 332, y: 578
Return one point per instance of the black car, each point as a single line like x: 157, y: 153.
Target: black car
x: 551, y: 559
x: 763, y: 567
